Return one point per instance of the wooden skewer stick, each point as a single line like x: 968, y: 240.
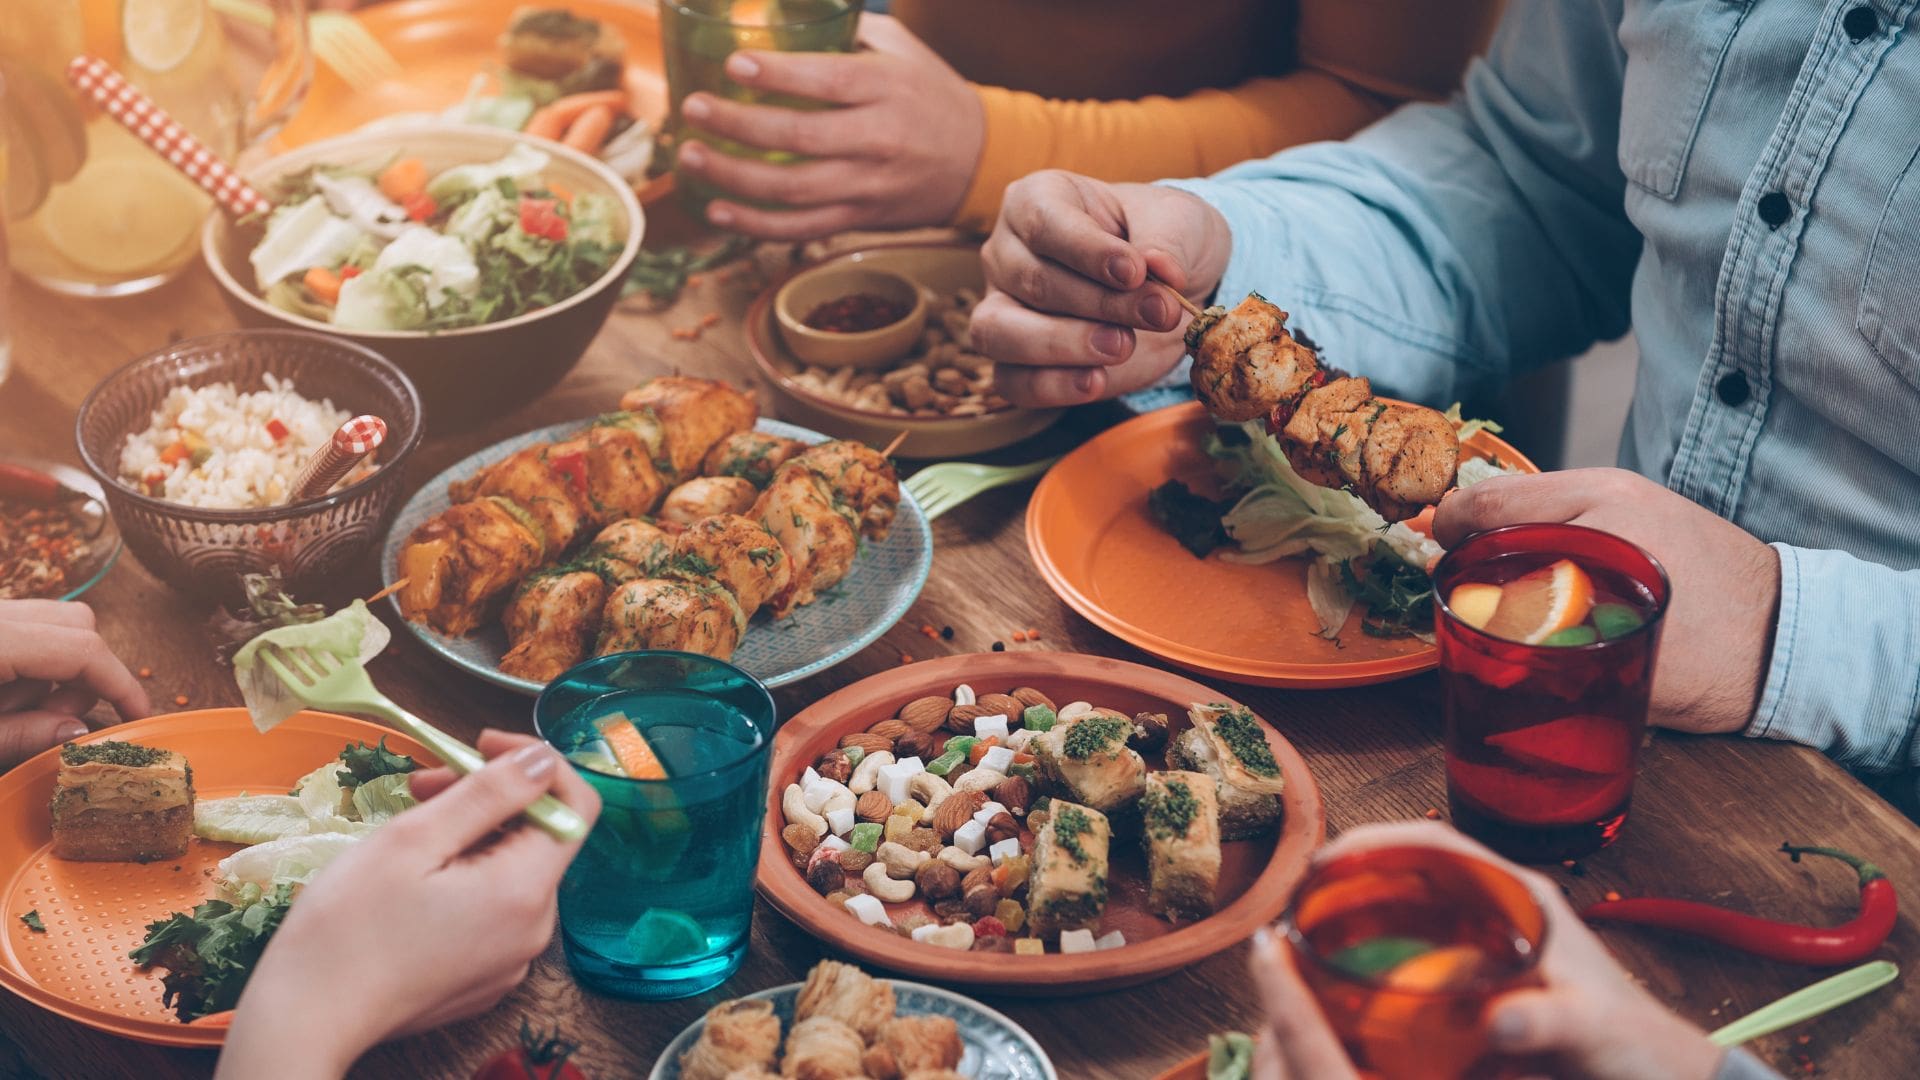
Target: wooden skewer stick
x: 1193, y: 309
x: 894, y: 445
x: 388, y: 591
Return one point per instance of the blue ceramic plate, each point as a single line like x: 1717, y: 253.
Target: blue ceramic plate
x: 885, y: 580
x: 996, y: 1047
x: 103, y: 548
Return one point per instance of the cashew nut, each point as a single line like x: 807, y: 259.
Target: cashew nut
x: 893, y: 892
x: 962, y: 861
x: 951, y: 936
x: 979, y: 780
x: 929, y: 789
x: 964, y: 695
x: 1018, y: 739
x: 841, y: 799
x: 898, y: 859
x: 867, y: 774
x: 1074, y: 710
x: 793, y: 803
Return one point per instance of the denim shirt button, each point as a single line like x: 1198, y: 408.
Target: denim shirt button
x: 1732, y: 388
x: 1860, y: 23
x: 1774, y: 209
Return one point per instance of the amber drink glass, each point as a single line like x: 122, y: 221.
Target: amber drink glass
x: 1405, y: 947
x: 1542, y: 739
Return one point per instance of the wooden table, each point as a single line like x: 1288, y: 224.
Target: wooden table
x: 1707, y: 817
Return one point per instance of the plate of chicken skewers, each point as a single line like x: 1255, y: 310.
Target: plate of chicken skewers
x: 1272, y: 532
x: 679, y: 521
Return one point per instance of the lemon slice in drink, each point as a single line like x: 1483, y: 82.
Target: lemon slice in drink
x: 123, y: 215
x: 161, y: 34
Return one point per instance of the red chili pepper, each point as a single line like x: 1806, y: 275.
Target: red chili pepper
x: 1814, y: 946
x: 419, y: 206
x: 19, y: 482
x: 573, y: 468
x: 276, y: 429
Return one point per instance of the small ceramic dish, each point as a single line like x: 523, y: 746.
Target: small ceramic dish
x: 806, y: 291
x: 96, y: 524
x: 996, y: 1047
x: 943, y: 268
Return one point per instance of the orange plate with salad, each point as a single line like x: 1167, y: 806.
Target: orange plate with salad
x: 1093, y: 534
x: 442, y: 45
x: 94, y: 913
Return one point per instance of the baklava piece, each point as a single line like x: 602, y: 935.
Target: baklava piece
x: 119, y: 802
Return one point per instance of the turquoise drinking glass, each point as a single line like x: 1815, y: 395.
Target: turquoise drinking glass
x: 659, y: 901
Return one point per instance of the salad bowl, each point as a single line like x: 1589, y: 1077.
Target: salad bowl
x: 469, y: 374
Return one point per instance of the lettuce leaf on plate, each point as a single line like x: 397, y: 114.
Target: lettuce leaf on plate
x: 210, y: 953
x: 379, y: 799
x: 293, y: 860
x: 351, y: 635
x: 250, y: 819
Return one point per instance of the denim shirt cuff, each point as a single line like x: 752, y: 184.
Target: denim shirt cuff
x: 1740, y: 1065
x: 1842, y: 679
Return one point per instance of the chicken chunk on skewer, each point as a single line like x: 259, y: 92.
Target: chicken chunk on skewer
x: 694, y: 616
x: 461, y: 559
x: 798, y: 509
x: 552, y: 621
x: 705, y: 496
x: 752, y: 456
x: 695, y: 413
x: 633, y: 548
x: 539, y: 481
x: 740, y: 554
x: 862, y: 481
x: 1396, y: 458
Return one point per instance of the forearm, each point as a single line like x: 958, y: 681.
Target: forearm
x: 1155, y: 137
x: 1842, y: 678
x: 285, y: 1030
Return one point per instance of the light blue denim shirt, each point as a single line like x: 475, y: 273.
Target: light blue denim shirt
x: 1737, y: 178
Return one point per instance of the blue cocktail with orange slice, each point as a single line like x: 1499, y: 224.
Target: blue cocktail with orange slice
x: 658, y: 903
x: 1547, y: 637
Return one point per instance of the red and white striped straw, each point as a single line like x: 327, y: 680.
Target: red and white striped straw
x: 125, y: 103
x: 356, y: 438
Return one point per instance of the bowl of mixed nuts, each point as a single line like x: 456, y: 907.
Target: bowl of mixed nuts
x: 1037, y: 823
x: 939, y: 391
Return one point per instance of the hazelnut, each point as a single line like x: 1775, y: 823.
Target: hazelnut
x: 801, y: 839
x: 980, y: 902
x: 1028, y: 697
x: 1014, y: 793
x: 853, y: 862
x: 956, y: 810
x: 826, y: 876
x: 1149, y: 732
x: 914, y: 744
x: 937, y: 880
x: 836, y: 766
x: 1001, y: 827
x: 926, y: 714
x: 922, y: 840
x: 873, y: 807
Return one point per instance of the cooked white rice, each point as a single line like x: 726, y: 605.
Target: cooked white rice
x: 243, y: 466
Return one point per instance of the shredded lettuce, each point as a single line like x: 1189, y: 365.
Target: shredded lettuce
x: 321, y: 794
x: 522, y: 165
x: 301, y: 236
x: 1469, y: 428
x: 419, y: 273
x: 250, y: 819
x: 377, y: 800
x: 293, y: 860
x: 359, y: 201
x: 351, y: 634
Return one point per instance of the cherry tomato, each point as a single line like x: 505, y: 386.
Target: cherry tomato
x: 538, y: 1057
x: 538, y: 217
x: 419, y: 206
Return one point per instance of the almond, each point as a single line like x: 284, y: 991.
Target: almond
x: 889, y: 729
x: 1002, y: 827
x: 1014, y: 793
x: 926, y: 714
x: 956, y: 810
x: 867, y: 741
x: 960, y: 718
x: 914, y: 744
x: 1028, y: 697
x: 1002, y: 705
x: 873, y: 806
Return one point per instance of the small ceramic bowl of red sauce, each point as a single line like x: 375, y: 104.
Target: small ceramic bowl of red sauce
x: 842, y: 315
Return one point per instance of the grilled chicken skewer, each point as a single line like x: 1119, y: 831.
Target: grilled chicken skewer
x: 1396, y: 458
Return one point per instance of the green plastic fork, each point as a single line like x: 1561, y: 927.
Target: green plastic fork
x: 940, y: 488
x: 323, y: 681
x: 1808, y: 1002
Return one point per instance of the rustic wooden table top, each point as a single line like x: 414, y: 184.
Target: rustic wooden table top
x: 1707, y: 818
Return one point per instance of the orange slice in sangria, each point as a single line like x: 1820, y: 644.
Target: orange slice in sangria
x: 1536, y: 606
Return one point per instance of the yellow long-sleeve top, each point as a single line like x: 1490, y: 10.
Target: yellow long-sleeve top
x: 1145, y: 89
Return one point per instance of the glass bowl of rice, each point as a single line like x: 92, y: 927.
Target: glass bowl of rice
x: 197, y: 446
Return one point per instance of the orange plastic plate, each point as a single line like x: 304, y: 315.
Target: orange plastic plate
x: 441, y: 45
x: 96, y: 913
x: 1096, y: 545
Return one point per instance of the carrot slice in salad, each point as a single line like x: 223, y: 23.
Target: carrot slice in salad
x: 403, y: 179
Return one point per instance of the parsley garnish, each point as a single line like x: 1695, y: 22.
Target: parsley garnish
x: 1069, y: 824
x: 1243, y: 736
x: 1093, y: 735
x: 32, y: 919
x: 1169, y: 809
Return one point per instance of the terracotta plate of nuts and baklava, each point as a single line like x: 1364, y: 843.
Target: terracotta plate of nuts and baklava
x: 939, y: 392
x: 81, y: 895
x: 1035, y: 823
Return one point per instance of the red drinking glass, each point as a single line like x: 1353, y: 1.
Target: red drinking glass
x: 1405, y: 947
x: 1541, y: 739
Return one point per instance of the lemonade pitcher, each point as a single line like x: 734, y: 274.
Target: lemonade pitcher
x: 89, y: 209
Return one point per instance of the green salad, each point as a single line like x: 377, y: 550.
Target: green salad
x: 400, y: 248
